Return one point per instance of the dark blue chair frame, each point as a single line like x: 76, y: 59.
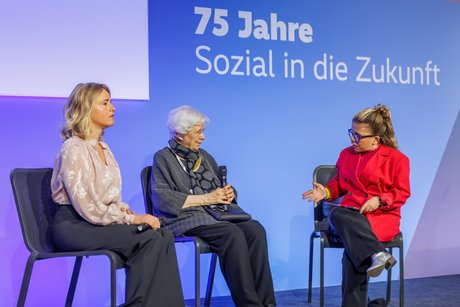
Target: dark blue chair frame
x: 201, y: 247
x: 322, y: 174
x: 35, y: 207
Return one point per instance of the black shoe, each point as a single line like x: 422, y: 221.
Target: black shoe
x: 380, y: 261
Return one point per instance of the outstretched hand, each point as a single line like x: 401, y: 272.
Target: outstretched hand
x: 316, y: 194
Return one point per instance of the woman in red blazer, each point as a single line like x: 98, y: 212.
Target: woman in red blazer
x: 373, y: 178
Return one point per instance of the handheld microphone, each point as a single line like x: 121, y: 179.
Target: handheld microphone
x: 143, y: 227
x: 223, y: 180
x: 222, y: 175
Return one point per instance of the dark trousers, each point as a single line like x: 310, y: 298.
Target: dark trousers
x: 152, y: 275
x: 243, y: 255
x: 360, y: 242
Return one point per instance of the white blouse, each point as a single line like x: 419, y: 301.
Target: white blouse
x: 82, y: 179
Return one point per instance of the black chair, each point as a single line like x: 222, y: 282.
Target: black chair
x: 322, y: 174
x: 32, y: 193
x: 201, y: 247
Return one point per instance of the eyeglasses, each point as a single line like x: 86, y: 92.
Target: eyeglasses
x: 356, y: 136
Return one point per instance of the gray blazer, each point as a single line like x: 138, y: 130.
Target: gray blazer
x: 170, y: 187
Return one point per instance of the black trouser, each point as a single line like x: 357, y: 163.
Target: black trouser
x: 243, y: 255
x: 360, y: 243
x: 152, y: 275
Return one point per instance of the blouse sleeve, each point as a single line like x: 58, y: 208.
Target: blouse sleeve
x: 78, y: 176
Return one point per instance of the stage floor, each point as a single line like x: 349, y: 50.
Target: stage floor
x: 440, y: 291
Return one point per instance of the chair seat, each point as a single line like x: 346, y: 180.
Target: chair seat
x: 200, y: 244
x: 396, y: 242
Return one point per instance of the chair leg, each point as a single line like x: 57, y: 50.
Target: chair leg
x: 321, y: 274
x: 113, y: 282
x: 197, y: 276
x: 389, y: 281
x: 401, y: 274
x: 26, y: 280
x: 212, y: 272
x: 73, y: 281
x: 310, y: 267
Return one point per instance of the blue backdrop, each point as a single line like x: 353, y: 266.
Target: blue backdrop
x: 271, y: 131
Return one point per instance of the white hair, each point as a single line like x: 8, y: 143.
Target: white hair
x: 182, y: 119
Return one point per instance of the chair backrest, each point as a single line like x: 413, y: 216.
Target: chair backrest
x: 35, y: 207
x: 145, y: 181
x: 322, y: 174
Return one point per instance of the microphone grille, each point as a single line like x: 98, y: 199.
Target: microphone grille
x: 222, y: 170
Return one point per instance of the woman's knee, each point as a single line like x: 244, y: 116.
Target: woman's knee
x: 234, y: 235
x: 164, y: 238
x: 255, y: 231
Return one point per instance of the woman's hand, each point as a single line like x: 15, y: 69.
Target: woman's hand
x: 219, y: 196
x: 223, y: 196
x: 316, y: 194
x: 229, y: 193
x: 127, y: 210
x: 148, y: 219
x: 370, y: 205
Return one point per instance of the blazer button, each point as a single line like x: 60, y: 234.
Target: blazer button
x: 366, y: 195
x: 349, y: 193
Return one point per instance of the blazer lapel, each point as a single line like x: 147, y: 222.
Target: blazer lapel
x: 376, y: 161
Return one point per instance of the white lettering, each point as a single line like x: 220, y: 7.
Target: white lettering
x: 366, y: 60
x: 226, y: 64
x: 204, y: 59
x: 239, y: 60
x: 261, y: 29
x: 247, y: 31
x: 221, y: 64
x: 274, y: 29
x: 397, y: 74
x: 326, y: 69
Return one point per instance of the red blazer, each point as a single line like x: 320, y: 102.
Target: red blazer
x: 386, y: 175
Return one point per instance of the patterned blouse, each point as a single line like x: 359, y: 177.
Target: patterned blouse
x: 82, y: 179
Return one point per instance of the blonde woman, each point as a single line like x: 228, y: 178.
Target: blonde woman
x: 86, y: 184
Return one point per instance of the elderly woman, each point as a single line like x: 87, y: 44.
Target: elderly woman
x: 373, y: 178
x: 184, y: 179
